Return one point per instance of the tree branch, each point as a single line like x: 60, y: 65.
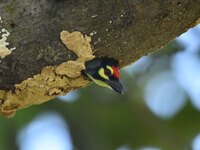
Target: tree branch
x: 122, y: 29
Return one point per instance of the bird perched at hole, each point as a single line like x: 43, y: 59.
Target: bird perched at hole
x: 104, y: 72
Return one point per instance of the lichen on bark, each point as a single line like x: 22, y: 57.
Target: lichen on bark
x: 53, y: 80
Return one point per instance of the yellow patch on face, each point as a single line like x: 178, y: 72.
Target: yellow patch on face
x: 102, y: 74
x: 98, y: 82
x: 110, y: 68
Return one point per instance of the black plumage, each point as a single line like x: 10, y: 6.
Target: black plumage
x: 92, y: 72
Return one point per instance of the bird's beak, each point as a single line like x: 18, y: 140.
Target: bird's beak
x: 116, y: 86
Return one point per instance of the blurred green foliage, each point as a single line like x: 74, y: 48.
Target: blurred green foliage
x: 103, y: 120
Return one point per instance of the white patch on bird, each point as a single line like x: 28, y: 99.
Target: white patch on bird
x: 4, y: 34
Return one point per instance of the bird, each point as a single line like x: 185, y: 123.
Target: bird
x: 104, y: 72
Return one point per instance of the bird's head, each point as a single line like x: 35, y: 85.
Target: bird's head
x: 104, y: 72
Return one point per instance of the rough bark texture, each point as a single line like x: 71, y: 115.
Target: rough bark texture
x: 122, y: 29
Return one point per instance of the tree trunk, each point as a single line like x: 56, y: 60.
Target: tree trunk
x: 38, y: 65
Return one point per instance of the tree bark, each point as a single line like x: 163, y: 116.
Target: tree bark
x: 122, y: 29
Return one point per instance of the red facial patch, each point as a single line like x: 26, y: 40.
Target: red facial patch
x: 115, y: 72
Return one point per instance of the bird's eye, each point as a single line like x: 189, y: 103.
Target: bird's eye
x: 107, y: 72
